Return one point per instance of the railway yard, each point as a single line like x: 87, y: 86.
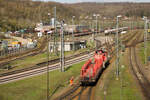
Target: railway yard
x: 75, y: 58
x: 89, y: 92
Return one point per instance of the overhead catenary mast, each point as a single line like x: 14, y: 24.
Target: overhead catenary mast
x: 145, y: 38
x: 55, y: 32
x: 48, y: 55
x: 62, y: 61
x: 117, y: 47
x: 73, y: 31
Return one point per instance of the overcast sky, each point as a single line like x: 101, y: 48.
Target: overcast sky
x: 75, y: 1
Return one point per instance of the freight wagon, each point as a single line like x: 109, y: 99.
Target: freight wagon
x: 76, y: 29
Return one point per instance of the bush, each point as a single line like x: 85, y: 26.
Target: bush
x: 2, y: 36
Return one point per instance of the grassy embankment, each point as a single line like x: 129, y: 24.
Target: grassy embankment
x: 123, y: 89
x: 34, y: 88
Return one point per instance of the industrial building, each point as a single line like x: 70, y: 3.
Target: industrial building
x: 68, y: 45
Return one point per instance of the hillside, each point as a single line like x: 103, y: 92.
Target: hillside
x: 113, y: 9
x: 17, y: 14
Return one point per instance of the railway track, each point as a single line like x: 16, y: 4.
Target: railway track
x: 79, y: 92
x: 132, y: 41
x: 36, y: 66
x: 135, y: 67
x: 6, y: 60
x: 141, y: 78
x: 83, y: 92
x: 128, y: 37
x: 40, y: 65
x: 25, y: 74
x: 41, y: 68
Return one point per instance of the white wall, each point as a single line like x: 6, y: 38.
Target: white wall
x: 67, y: 47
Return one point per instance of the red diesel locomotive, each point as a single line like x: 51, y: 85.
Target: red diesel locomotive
x: 93, y: 67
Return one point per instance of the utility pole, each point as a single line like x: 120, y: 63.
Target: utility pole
x: 62, y: 61
x: 117, y: 47
x: 73, y: 31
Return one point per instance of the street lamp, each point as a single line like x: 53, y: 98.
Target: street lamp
x: 117, y: 45
x: 73, y: 31
x: 49, y: 14
x: 86, y: 20
x: 145, y: 38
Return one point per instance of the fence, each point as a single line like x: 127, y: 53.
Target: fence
x: 13, y: 51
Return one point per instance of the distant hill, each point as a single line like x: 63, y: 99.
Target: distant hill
x: 16, y: 14
x: 113, y: 9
